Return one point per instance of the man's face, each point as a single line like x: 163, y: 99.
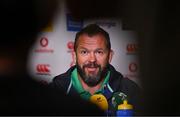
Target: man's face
x: 92, y: 58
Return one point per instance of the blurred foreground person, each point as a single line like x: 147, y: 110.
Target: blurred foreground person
x: 157, y: 24
x: 20, y: 94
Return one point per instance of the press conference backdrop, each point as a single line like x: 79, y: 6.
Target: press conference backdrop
x: 52, y: 54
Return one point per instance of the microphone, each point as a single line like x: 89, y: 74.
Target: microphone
x: 118, y: 98
x: 100, y: 100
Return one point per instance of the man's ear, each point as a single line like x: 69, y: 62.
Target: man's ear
x: 111, y: 53
x: 73, y: 62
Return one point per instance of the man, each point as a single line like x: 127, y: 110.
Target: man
x: 20, y: 94
x: 93, y: 73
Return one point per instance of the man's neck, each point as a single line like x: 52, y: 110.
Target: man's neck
x: 91, y: 90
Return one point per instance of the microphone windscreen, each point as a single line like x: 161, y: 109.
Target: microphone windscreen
x: 100, y: 100
x: 118, y: 98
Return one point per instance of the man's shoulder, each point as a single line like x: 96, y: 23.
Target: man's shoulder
x: 129, y: 84
x: 126, y: 83
x: 62, y: 81
x: 61, y: 77
x: 121, y: 82
x: 64, y: 76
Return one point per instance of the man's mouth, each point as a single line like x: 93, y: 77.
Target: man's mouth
x: 91, y: 69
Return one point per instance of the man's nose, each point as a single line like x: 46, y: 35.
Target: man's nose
x: 92, y: 57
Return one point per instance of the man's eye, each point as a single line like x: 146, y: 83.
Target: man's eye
x: 83, y: 52
x: 99, y: 52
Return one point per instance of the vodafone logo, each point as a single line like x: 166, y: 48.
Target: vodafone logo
x: 44, y: 42
x: 133, y: 67
x: 43, y: 69
x: 132, y: 48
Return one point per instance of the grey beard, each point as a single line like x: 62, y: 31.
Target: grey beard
x: 92, y: 80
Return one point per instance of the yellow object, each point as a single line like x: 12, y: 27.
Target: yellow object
x: 100, y: 101
x: 125, y: 105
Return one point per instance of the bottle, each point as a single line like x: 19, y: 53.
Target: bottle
x: 124, y: 110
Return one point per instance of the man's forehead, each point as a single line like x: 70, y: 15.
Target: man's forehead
x: 98, y: 38
x: 92, y: 45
